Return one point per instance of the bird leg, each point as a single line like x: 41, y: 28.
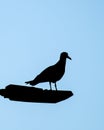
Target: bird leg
x: 55, y: 86
x: 50, y: 85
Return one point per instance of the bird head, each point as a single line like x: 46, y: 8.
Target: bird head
x: 65, y: 55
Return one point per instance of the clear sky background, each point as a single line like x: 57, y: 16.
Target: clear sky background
x: 33, y: 33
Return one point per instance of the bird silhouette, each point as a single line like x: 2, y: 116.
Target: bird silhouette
x: 53, y: 73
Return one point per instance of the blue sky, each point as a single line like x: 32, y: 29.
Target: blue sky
x: 33, y: 33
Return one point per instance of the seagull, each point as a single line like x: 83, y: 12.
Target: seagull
x: 53, y: 73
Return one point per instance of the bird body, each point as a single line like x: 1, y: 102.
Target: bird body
x: 52, y: 73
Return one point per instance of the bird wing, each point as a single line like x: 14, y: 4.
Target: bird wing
x: 50, y: 74
x: 45, y: 75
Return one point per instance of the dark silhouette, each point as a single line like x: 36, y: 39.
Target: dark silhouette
x: 53, y: 73
x: 32, y: 94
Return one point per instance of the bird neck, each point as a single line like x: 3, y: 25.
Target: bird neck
x: 62, y: 61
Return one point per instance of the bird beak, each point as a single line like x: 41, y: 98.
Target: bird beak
x: 69, y: 58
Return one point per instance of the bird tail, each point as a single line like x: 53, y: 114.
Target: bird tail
x: 30, y: 82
